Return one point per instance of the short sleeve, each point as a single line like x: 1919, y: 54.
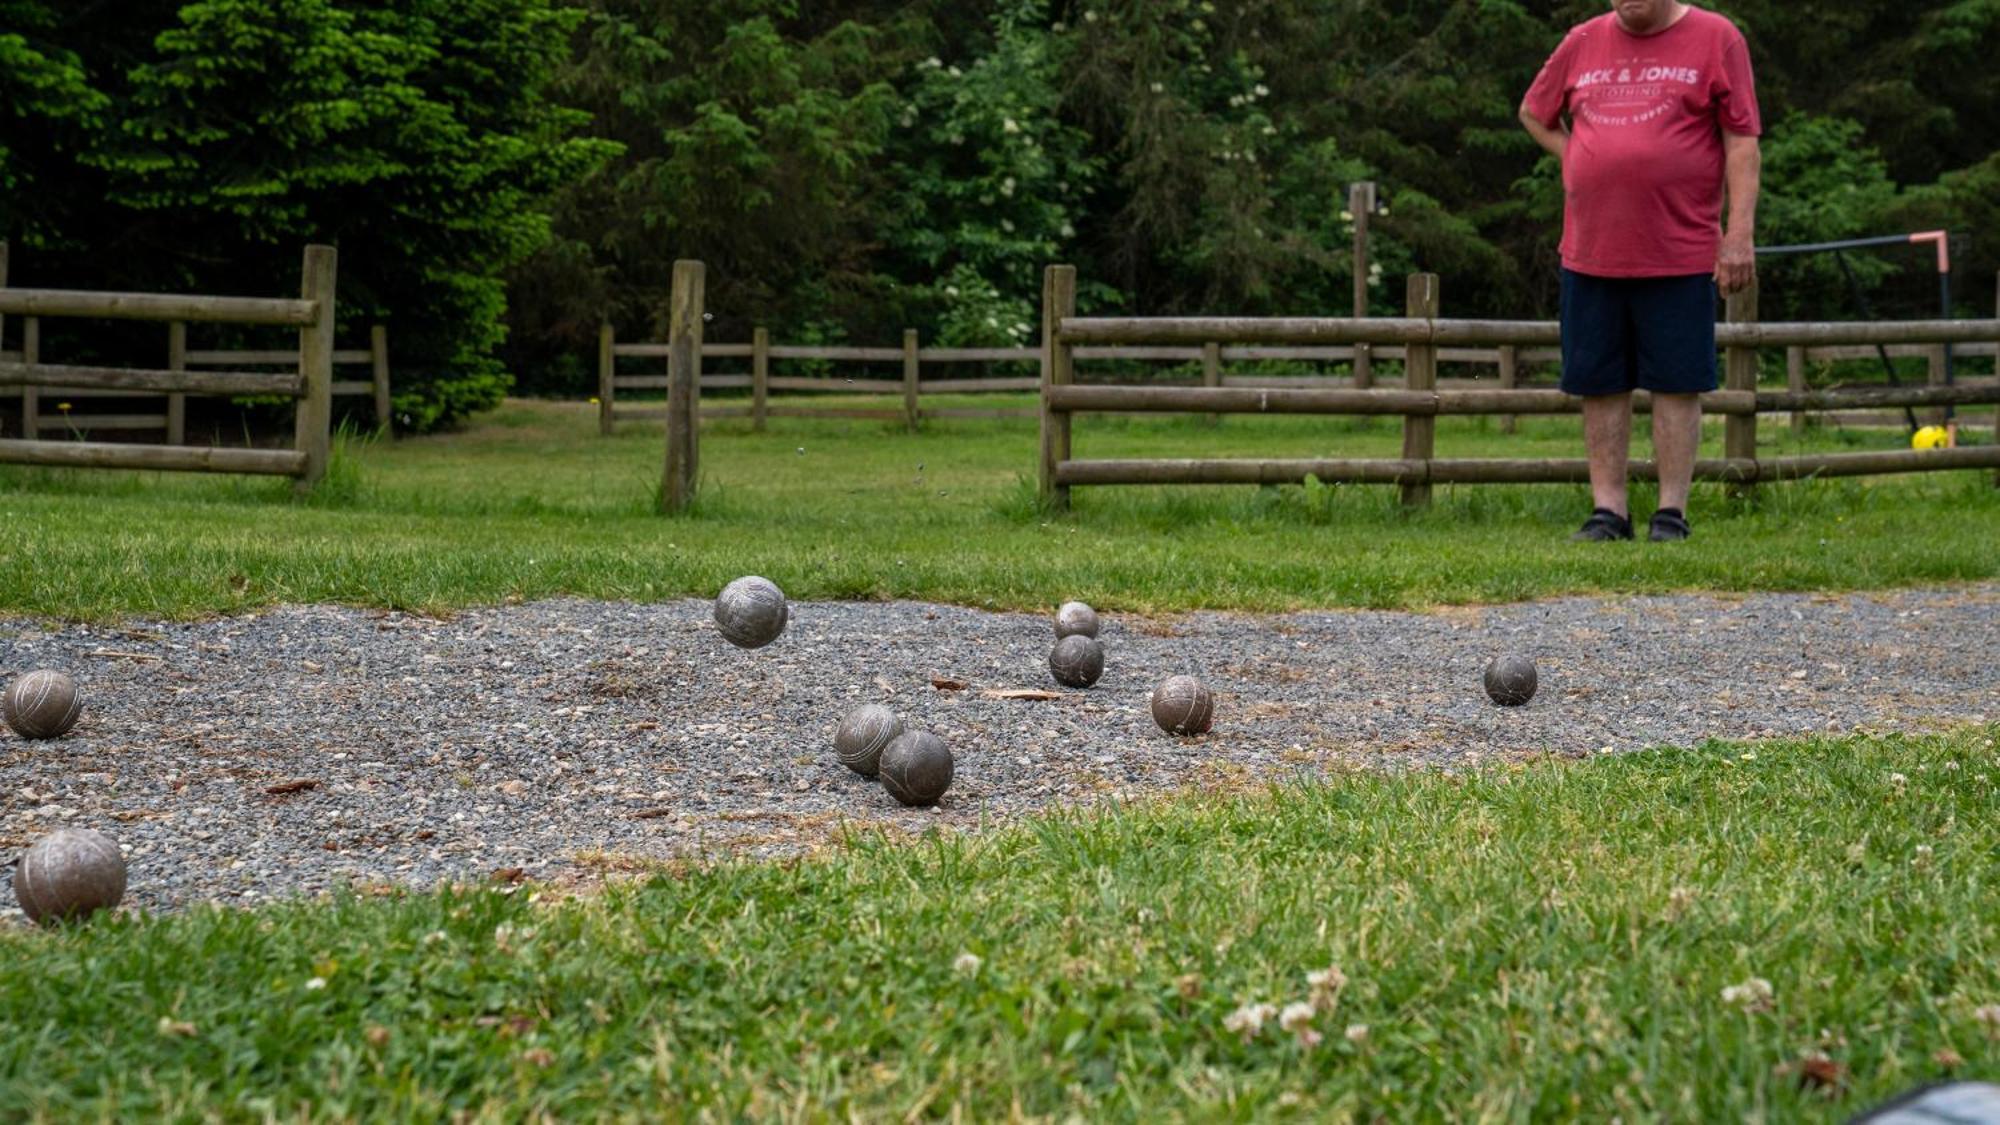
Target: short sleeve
x: 1735, y: 91
x: 1549, y: 96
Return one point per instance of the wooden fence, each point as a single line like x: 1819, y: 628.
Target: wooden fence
x: 1424, y: 338
x: 759, y: 381
x: 912, y: 387
x: 310, y: 383
x: 172, y: 417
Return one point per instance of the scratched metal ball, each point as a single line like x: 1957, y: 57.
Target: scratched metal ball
x: 1183, y: 705
x: 916, y: 768
x: 42, y: 704
x: 862, y: 736
x: 1076, y: 661
x: 1510, y: 679
x: 69, y: 873
x: 1075, y: 619
x: 751, y: 612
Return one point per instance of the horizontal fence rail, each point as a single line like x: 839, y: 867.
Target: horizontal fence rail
x: 157, y: 306
x: 66, y: 376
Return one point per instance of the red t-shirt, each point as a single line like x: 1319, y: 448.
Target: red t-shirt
x: 1643, y: 174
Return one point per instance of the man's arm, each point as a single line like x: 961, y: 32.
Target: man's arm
x: 1736, y: 265
x: 1555, y: 140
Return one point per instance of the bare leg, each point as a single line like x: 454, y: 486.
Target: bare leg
x: 1607, y: 434
x: 1676, y: 437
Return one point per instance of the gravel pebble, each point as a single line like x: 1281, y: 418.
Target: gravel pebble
x: 312, y: 747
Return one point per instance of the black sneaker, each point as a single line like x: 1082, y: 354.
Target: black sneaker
x: 1669, y: 526
x: 1604, y: 526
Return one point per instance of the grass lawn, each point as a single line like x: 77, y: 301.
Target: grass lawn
x: 529, y: 502
x: 1552, y: 941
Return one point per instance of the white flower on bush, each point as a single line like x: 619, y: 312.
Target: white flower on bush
x: 1009, y: 126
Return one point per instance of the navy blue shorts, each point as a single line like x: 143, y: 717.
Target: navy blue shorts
x: 1626, y: 333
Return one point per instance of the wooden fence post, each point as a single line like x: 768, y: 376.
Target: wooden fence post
x: 314, y: 425
x: 1420, y: 431
x: 683, y: 468
x: 31, y: 354
x: 910, y: 371
x: 1510, y: 377
x: 760, y: 377
x: 177, y: 344
x: 1211, y: 372
x: 1058, y: 370
x: 1739, y: 431
x: 378, y: 357
x: 1361, y: 204
x: 1795, y: 381
x: 607, y: 370
x: 1996, y: 368
x: 1935, y: 377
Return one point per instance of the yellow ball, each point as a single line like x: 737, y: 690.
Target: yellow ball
x: 1930, y: 437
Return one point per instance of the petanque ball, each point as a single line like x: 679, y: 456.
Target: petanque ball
x: 862, y: 736
x: 751, y: 612
x: 69, y: 873
x: 42, y: 704
x: 916, y: 768
x: 1183, y: 705
x: 1075, y: 619
x: 1510, y: 679
x: 1077, y: 661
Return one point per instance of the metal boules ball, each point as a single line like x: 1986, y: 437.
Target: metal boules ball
x: 1076, y: 619
x: 42, y: 704
x: 862, y: 736
x: 69, y: 873
x: 1183, y: 705
x: 1077, y: 661
x: 751, y: 612
x: 916, y: 768
x: 1510, y: 679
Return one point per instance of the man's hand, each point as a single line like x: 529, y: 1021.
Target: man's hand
x: 1736, y: 264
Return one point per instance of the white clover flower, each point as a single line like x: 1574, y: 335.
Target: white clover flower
x: 1296, y: 1017
x: 1357, y: 1032
x: 1248, y: 1020
x: 1989, y: 1014
x: 315, y: 984
x: 1752, y: 995
x: 966, y: 965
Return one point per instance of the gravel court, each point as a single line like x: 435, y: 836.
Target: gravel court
x: 311, y: 747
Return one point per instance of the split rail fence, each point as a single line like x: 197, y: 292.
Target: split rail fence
x: 310, y: 382
x: 1425, y: 336
x: 37, y: 419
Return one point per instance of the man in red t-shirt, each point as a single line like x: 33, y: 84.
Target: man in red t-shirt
x: 1652, y: 110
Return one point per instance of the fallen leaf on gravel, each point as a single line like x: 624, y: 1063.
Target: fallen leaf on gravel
x: 509, y: 875
x: 113, y: 654
x: 652, y: 814
x: 942, y: 684
x: 299, y: 785
x: 1019, y: 693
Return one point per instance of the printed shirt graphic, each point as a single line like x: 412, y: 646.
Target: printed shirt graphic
x: 1643, y: 174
